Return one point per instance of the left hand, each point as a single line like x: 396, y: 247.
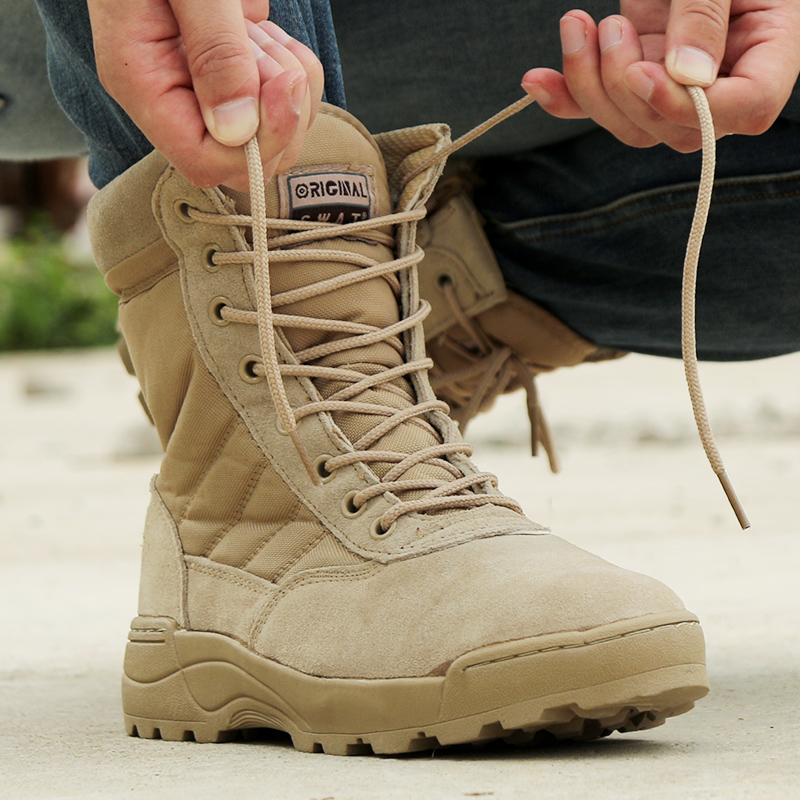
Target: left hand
x: 628, y: 73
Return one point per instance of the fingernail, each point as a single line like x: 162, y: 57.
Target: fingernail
x: 692, y: 64
x: 297, y: 88
x: 538, y: 92
x: 573, y: 35
x: 609, y: 33
x: 235, y: 122
x: 639, y: 82
x: 278, y: 34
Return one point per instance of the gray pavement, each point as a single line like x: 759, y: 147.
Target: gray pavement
x: 75, y: 460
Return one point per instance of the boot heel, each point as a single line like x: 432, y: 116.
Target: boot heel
x: 156, y: 699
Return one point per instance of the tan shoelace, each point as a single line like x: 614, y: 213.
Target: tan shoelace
x: 690, y: 264
x: 495, y: 367
x: 464, y: 490
x: 460, y: 490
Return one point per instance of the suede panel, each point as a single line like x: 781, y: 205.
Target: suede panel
x: 121, y: 222
x: 422, y: 613
x: 163, y: 585
x: 224, y: 600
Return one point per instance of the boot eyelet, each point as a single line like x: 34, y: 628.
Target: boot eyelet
x: 349, y: 509
x: 247, y: 370
x: 319, y: 465
x: 279, y: 427
x: 444, y: 280
x: 215, y: 312
x: 209, y: 251
x: 377, y: 531
x: 182, y: 209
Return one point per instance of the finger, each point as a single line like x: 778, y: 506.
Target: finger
x: 302, y: 103
x: 222, y: 66
x: 695, y: 43
x: 549, y: 89
x: 255, y: 10
x: 299, y: 90
x: 673, y: 117
x: 621, y: 47
x: 306, y: 56
x: 582, y: 72
x: 281, y: 102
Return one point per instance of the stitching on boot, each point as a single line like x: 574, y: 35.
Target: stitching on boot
x: 580, y: 645
x: 307, y: 549
x: 348, y: 573
x: 161, y: 507
x: 255, y: 551
x: 236, y: 516
x: 229, y: 431
x: 215, y: 572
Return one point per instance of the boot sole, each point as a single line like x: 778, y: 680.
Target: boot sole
x: 182, y: 685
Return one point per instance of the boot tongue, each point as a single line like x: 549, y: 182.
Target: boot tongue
x: 340, y: 177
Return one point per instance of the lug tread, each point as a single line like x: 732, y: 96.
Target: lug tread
x: 580, y: 726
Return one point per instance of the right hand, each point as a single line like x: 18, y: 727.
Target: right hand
x: 201, y: 77
x: 629, y: 73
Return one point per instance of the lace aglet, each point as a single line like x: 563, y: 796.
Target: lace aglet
x: 733, y: 499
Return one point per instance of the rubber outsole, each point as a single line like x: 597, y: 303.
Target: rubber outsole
x: 184, y: 685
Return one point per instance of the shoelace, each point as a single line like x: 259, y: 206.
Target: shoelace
x: 690, y: 266
x: 464, y: 490
x: 495, y: 366
x: 461, y: 490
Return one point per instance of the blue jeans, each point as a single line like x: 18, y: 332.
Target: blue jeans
x: 114, y: 142
x: 591, y: 229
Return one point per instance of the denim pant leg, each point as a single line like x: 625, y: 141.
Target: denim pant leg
x: 115, y: 143
x: 596, y: 232
x: 32, y: 126
x: 591, y: 229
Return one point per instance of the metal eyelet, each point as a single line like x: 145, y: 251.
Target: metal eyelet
x: 349, y: 509
x: 247, y: 369
x: 319, y: 465
x: 377, y: 531
x: 182, y: 209
x: 279, y: 427
x: 209, y: 251
x: 215, y: 312
x: 444, y: 280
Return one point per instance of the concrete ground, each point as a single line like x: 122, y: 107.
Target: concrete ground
x: 75, y: 459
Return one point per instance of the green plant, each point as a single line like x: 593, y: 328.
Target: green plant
x: 49, y: 297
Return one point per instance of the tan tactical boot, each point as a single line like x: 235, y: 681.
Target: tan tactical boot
x: 320, y: 556
x: 485, y: 340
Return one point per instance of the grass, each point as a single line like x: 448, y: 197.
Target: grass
x: 50, y: 297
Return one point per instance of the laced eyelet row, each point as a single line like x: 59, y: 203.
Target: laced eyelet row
x: 215, y: 311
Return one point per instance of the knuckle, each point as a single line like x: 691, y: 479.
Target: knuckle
x: 215, y: 58
x: 758, y: 120
x: 714, y: 12
x: 197, y: 171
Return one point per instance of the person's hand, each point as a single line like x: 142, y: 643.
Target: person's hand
x: 628, y: 73
x: 200, y: 77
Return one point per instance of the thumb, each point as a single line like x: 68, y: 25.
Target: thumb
x: 223, y: 67
x: 696, y: 36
